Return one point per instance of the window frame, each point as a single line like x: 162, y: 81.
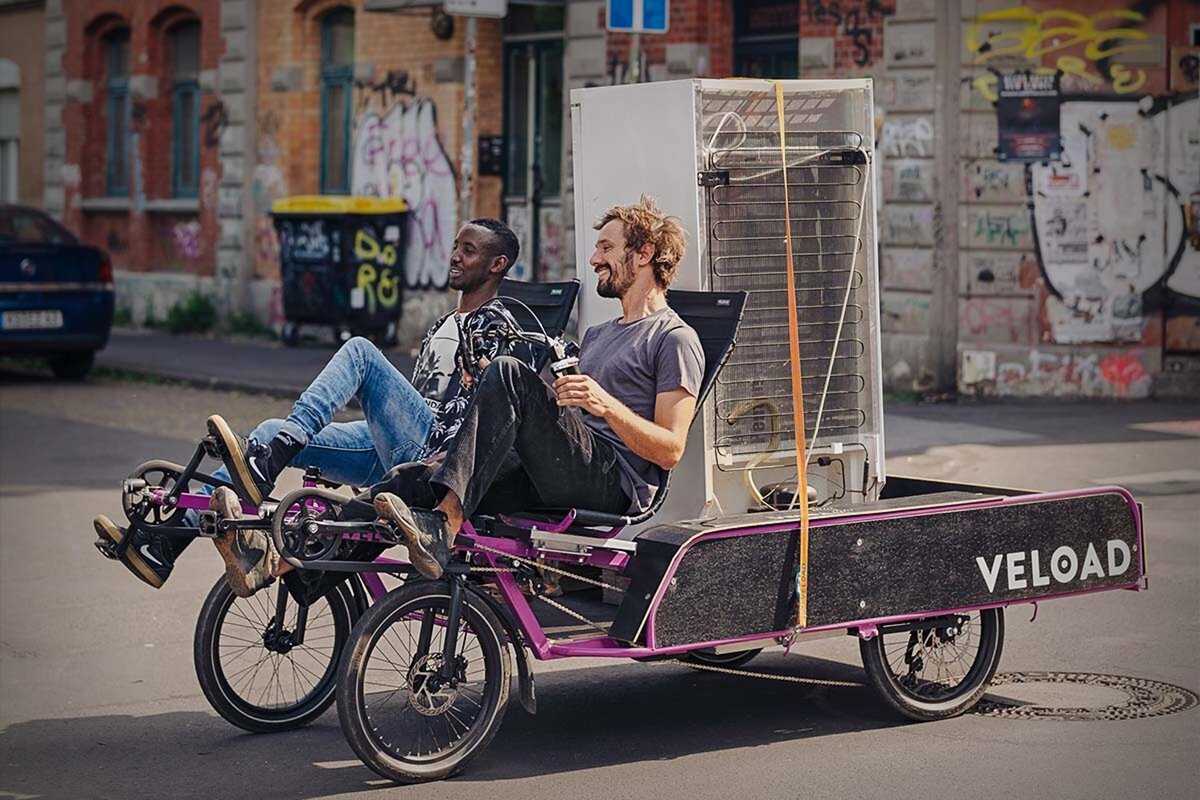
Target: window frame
x: 120, y: 106
x: 333, y: 76
x: 181, y: 87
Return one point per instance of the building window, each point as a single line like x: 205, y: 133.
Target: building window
x: 10, y: 129
x: 766, y: 39
x: 117, y: 52
x: 337, y: 88
x: 184, y: 48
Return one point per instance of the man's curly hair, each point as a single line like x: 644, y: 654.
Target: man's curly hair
x: 645, y: 223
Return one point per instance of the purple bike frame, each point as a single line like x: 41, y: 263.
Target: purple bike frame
x: 544, y: 648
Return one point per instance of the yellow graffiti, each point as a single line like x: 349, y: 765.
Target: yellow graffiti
x: 367, y: 249
x: 380, y: 288
x: 1104, y: 35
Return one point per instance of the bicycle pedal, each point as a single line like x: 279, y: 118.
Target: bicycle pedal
x: 107, y: 549
x: 208, y: 525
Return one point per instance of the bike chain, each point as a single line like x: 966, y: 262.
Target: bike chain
x: 691, y: 665
x: 764, y: 675
x: 546, y: 567
x: 569, y: 612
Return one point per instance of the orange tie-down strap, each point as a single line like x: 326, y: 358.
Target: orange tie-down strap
x: 797, y: 384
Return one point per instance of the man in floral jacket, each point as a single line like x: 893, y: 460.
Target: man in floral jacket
x: 405, y: 420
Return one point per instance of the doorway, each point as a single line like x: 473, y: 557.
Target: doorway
x: 533, y: 136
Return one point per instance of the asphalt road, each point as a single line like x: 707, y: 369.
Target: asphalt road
x: 98, y: 698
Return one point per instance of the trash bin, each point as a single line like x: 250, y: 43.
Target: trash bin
x: 341, y: 261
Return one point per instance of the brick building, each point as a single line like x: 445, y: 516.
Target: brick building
x: 132, y: 158
x: 22, y: 94
x: 1076, y: 277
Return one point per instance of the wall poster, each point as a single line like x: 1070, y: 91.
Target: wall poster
x: 1027, y: 116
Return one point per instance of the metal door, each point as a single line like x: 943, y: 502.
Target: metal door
x: 533, y: 133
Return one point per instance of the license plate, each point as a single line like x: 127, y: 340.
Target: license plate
x: 31, y: 320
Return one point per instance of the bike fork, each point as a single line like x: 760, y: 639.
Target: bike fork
x: 297, y: 636
x: 456, y: 573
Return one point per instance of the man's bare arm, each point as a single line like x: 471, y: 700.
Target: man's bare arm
x: 660, y: 441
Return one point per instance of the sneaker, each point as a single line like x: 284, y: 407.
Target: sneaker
x: 250, y: 559
x: 253, y: 467
x: 149, y: 556
x: 426, y: 533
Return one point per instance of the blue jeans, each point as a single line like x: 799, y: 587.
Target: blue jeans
x: 396, y: 425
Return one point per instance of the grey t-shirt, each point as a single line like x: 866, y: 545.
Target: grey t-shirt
x: 635, y: 362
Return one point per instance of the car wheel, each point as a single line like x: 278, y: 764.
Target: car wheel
x: 72, y: 366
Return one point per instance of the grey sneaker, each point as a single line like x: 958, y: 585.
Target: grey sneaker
x: 250, y: 559
x: 426, y: 533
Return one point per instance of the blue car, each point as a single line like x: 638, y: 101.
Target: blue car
x: 56, y: 294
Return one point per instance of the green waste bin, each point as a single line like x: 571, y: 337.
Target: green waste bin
x: 341, y: 262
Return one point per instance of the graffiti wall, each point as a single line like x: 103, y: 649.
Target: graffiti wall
x: 399, y: 153
x: 1077, y: 272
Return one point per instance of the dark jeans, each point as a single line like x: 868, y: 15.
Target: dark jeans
x: 516, y: 449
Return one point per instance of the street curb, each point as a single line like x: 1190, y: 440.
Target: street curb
x: 199, y: 382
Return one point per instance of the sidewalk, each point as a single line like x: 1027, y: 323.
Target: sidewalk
x: 270, y: 368
x: 228, y: 364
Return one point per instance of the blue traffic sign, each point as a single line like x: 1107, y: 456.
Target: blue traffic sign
x: 639, y: 16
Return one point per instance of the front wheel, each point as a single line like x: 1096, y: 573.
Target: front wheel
x: 252, y: 670
x: 935, y: 670
x: 402, y: 719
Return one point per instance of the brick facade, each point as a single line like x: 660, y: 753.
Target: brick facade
x: 149, y: 229
x: 972, y: 294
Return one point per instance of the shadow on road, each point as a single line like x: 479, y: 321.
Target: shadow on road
x: 600, y: 717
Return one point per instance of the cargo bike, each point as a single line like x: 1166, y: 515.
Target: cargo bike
x: 778, y: 526
x: 422, y: 673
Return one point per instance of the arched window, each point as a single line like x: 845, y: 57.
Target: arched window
x: 116, y: 46
x: 184, y: 54
x: 337, y: 89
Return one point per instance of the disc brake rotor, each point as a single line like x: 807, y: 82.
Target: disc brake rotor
x: 426, y: 701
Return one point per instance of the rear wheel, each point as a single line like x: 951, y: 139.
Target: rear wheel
x: 400, y: 718
x: 72, y: 366
x: 250, y: 669
x: 939, y: 670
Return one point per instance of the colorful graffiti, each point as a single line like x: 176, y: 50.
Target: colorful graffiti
x: 1111, y: 221
x: 186, y: 238
x: 1119, y: 374
x: 376, y: 284
x: 1088, y: 49
x: 400, y: 154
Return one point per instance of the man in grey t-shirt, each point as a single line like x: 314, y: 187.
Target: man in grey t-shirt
x: 601, y: 440
x: 636, y: 362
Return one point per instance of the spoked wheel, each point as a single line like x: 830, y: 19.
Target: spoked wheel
x: 402, y: 720
x: 254, y: 673
x: 141, y: 483
x: 939, y: 671
x: 727, y: 660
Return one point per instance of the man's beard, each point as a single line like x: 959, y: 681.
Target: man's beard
x: 619, y: 279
